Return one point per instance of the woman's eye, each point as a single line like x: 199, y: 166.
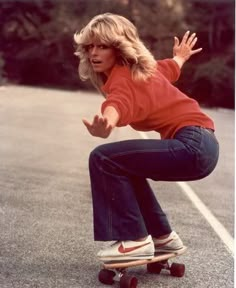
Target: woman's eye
x: 103, y: 46
x: 89, y: 47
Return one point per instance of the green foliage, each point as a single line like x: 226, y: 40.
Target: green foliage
x: 216, y: 71
x: 220, y: 78
x: 213, y: 76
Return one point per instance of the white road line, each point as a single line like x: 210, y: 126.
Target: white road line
x: 211, y: 219
x: 220, y: 230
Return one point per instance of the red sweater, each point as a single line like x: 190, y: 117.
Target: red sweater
x: 155, y: 104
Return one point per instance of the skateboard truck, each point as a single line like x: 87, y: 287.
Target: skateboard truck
x: 108, y: 277
x: 176, y: 269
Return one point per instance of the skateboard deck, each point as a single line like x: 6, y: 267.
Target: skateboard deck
x: 158, y: 257
x: 117, y: 270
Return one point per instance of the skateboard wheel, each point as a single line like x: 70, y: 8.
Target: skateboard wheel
x: 106, y: 276
x: 127, y: 281
x: 154, y: 268
x: 177, y: 270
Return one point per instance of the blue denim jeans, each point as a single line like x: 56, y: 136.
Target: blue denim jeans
x: 124, y: 205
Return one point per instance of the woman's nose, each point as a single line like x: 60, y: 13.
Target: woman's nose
x: 94, y: 50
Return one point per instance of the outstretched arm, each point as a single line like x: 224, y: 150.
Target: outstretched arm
x: 183, y: 50
x: 103, y: 125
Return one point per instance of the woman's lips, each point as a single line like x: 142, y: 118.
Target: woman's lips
x: 94, y: 61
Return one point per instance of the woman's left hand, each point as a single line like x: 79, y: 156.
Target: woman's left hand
x: 184, y: 49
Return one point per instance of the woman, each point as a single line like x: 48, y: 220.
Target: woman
x: 139, y: 92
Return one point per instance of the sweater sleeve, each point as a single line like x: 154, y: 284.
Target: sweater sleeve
x: 169, y: 68
x: 120, y: 96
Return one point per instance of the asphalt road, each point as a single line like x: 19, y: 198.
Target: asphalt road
x: 46, y: 232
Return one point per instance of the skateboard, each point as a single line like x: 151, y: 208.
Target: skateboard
x: 117, y: 271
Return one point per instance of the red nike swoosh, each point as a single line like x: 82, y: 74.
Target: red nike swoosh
x: 121, y: 249
x: 163, y: 244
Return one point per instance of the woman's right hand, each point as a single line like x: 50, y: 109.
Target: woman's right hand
x: 99, y: 127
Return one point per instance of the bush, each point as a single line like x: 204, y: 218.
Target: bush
x: 215, y: 80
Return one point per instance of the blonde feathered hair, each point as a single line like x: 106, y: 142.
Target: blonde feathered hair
x: 118, y: 32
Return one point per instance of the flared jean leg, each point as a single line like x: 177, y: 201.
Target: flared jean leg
x: 155, y: 218
x: 116, y: 211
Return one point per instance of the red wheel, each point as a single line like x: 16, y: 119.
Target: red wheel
x: 177, y: 270
x: 106, y: 276
x: 127, y: 281
x: 154, y: 268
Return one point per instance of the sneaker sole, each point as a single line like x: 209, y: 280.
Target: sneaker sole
x: 176, y: 251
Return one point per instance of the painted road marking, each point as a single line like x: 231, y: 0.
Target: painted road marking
x: 211, y: 219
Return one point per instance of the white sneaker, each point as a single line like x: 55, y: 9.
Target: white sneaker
x: 128, y: 250
x: 170, y: 244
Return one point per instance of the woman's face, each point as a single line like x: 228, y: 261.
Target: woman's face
x: 102, y: 57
